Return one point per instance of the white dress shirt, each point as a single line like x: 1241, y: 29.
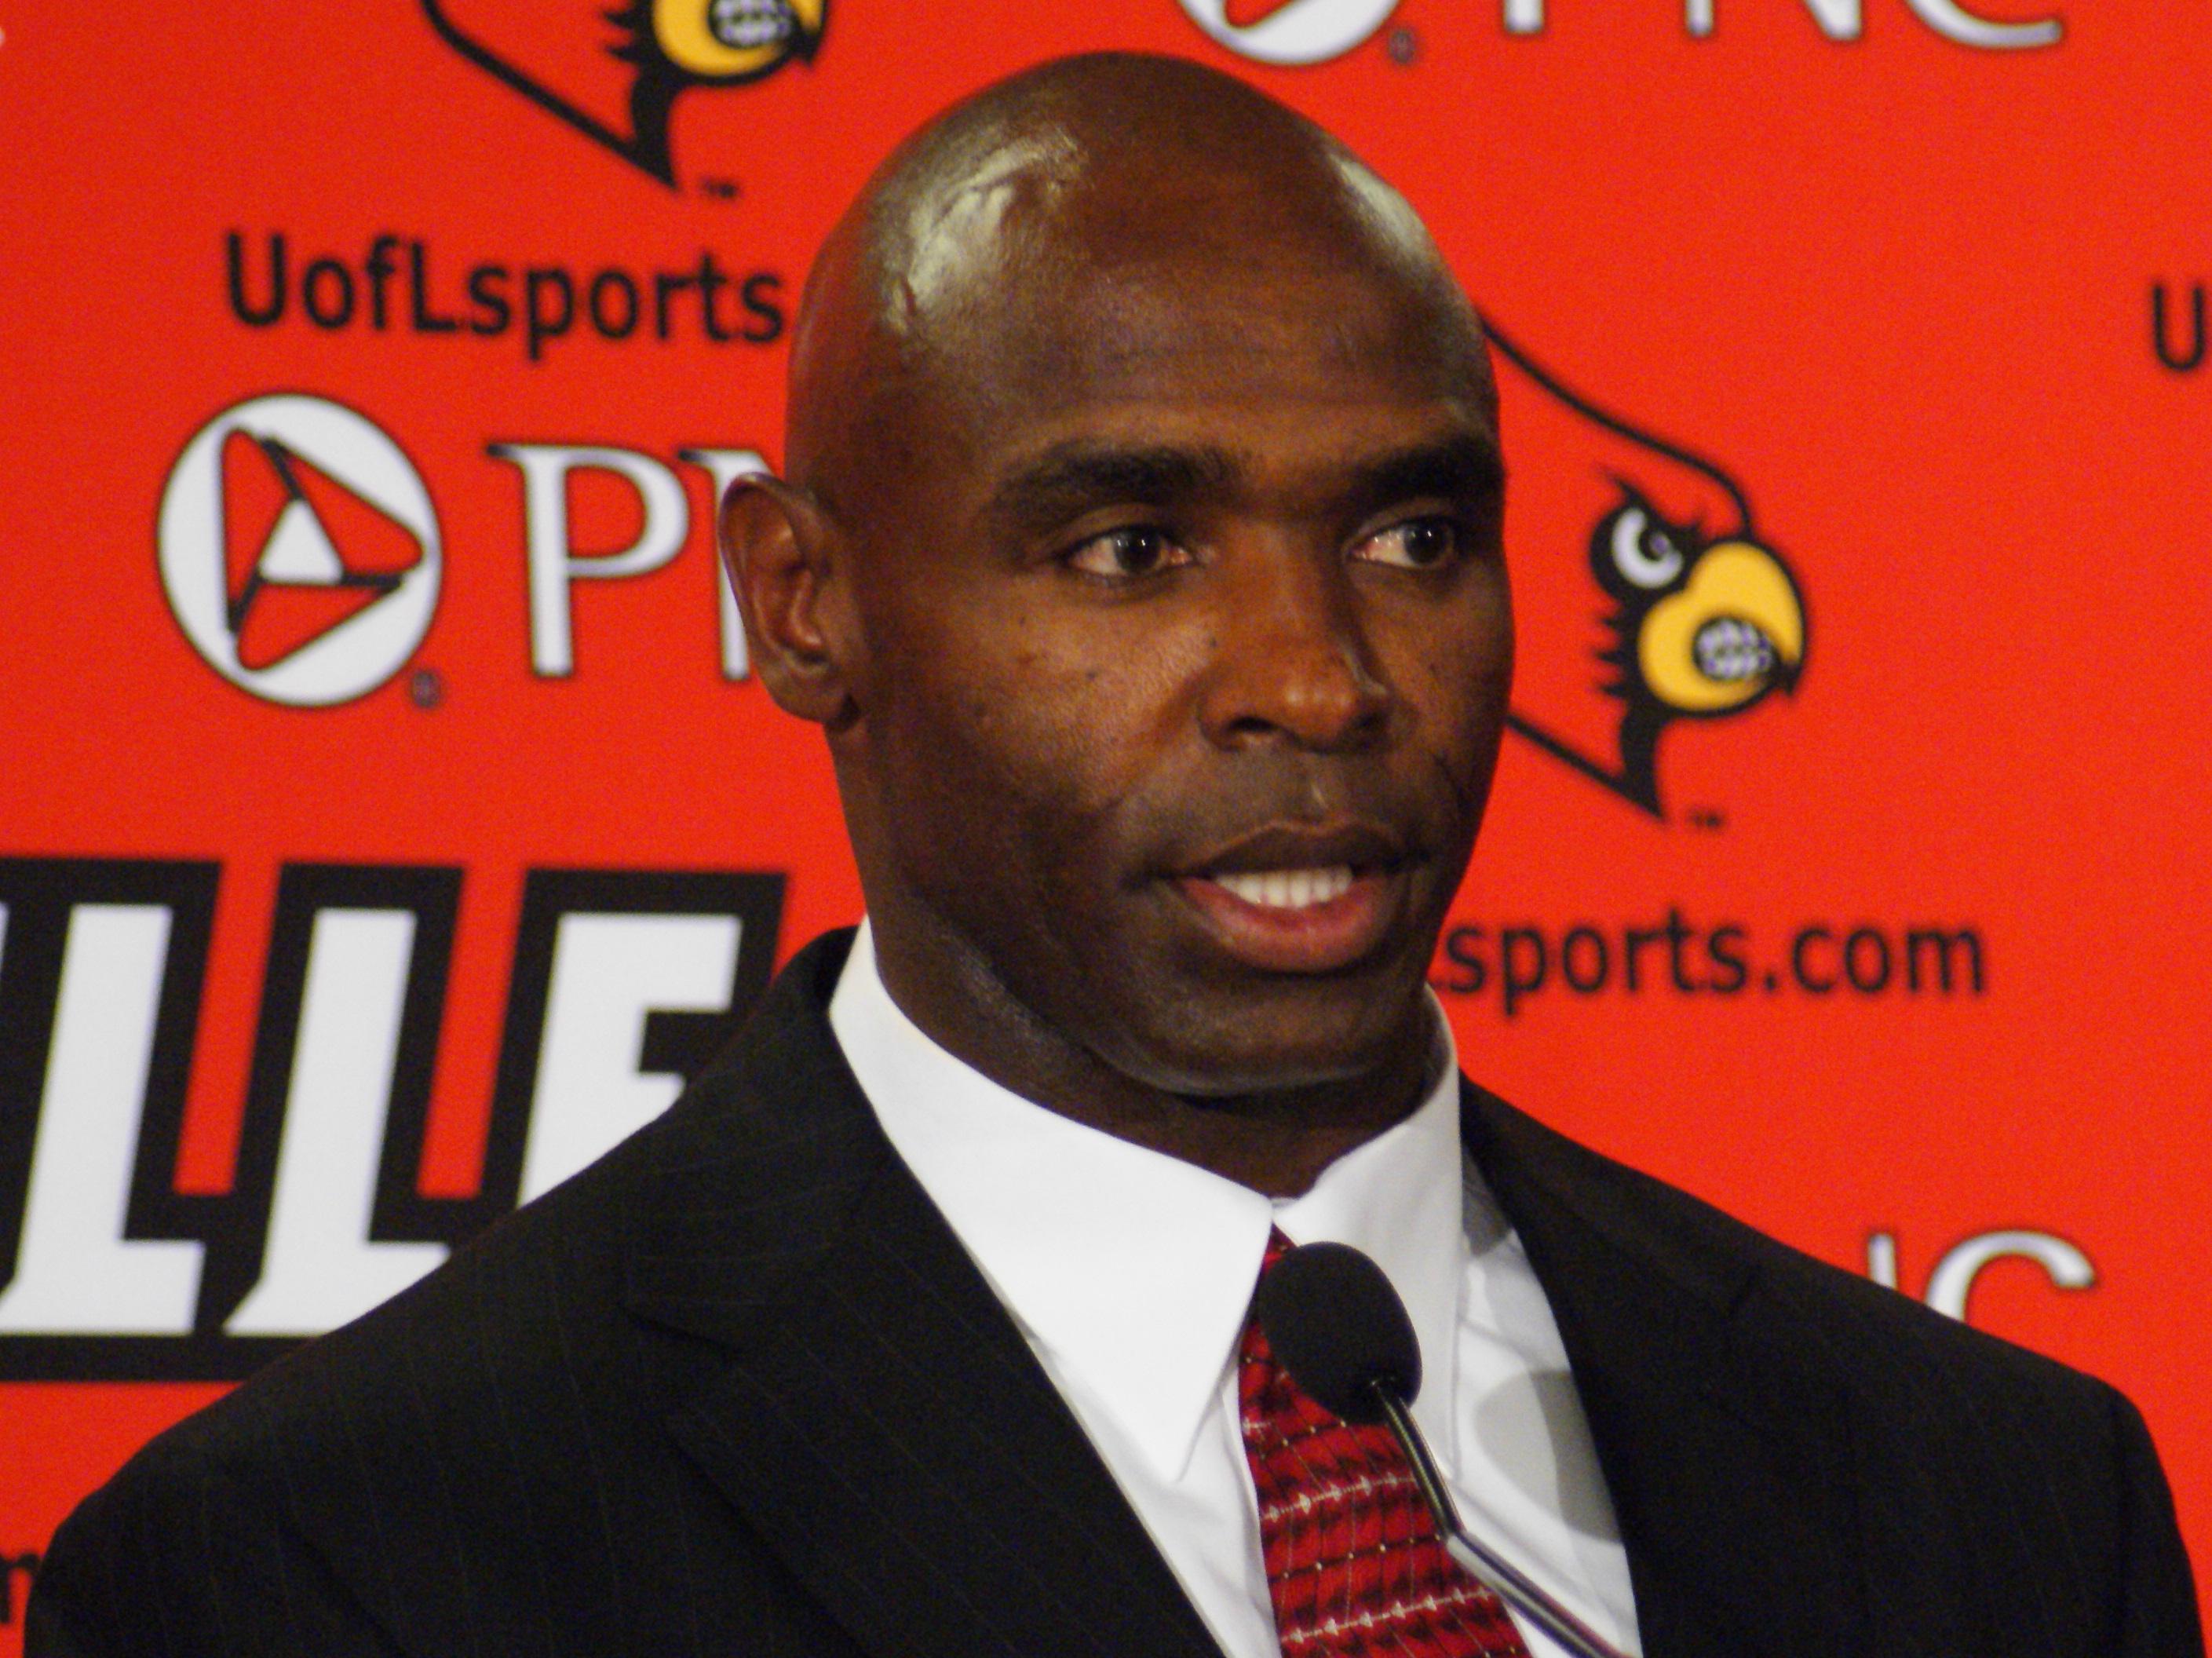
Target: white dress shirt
x: 1130, y: 1272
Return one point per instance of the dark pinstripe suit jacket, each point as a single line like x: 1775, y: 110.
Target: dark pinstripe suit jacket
x: 736, y: 1389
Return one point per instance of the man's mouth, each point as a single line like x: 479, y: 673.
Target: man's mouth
x: 1295, y: 900
x: 1289, y: 889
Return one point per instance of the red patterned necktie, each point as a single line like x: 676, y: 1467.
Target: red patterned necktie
x: 1354, y: 1566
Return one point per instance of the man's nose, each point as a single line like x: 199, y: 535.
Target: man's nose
x: 1290, y: 660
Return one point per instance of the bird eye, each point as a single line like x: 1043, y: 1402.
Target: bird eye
x: 1646, y: 555
x: 1140, y: 549
x: 1419, y: 544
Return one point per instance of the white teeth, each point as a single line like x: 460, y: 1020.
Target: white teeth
x: 1289, y: 889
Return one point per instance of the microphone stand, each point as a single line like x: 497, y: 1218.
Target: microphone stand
x: 1499, y: 1575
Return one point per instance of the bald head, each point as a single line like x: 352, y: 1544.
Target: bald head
x: 1140, y: 556
x: 1020, y: 239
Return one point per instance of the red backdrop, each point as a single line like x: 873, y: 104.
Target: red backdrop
x: 388, y: 816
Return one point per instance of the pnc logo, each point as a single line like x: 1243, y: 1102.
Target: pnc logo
x: 301, y: 554
x: 1700, y: 619
x: 1295, y: 32
x: 618, y: 85
x: 1301, y: 32
x: 299, y: 550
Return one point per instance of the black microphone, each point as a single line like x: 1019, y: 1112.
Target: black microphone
x: 1336, y: 1325
x: 1333, y: 1321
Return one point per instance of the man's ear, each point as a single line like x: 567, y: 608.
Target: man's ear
x: 778, y: 546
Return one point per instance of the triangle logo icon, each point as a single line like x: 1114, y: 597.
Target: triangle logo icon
x: 304, y: 553
x: 299, y: 552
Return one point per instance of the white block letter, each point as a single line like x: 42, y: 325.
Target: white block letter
x: 76, y: 1273
x: 320, y: 1269
x: 1954, y: 22
x: 1882, y: 1259
x: 1953, y: 1280
x: 1839, y: 20
x: 609, y: 973
x: 554, y: 563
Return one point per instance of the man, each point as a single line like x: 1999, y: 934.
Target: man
x: 1140, y: 556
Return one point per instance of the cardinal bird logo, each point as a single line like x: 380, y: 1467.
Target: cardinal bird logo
x: 1698, y: 618
x: 615, y: 74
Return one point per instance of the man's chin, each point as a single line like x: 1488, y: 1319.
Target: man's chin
x: 1270, y: 1048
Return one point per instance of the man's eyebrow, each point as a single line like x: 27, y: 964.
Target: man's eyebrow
x: 1069, y: 477
x: 1072, y: 477
x: 1463, y: 467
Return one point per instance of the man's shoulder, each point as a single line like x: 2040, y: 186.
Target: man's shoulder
x: 292, y: 1485
x: 537, y: 1299
x: 449, y: 1405
x: 386, y: 1465
x: 1878, y: 1342
x: 532, y: 1308
x: 1792, y: 1423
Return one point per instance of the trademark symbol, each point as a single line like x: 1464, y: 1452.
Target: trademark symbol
x: 1704, y: 817
x: 1403, y: 46
x: 721, y: 190
x: 425, y: 689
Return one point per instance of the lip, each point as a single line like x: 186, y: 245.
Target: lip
x: 1364, y: 846
x: 1319, y: 938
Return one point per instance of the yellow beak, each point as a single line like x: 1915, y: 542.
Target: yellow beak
x: 738, y: 52
x: 1736, y: 630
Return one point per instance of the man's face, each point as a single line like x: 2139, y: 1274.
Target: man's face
x: 1187, y: 652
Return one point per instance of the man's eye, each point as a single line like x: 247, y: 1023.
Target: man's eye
x: 1119, y: 554
x: 1419, y: 544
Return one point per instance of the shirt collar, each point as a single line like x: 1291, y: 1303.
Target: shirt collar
x: 1130, y: 1271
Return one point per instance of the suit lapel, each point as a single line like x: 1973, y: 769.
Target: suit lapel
x: 865, y: 1400
x: 868, y: 1404
x: 1723, y: 1443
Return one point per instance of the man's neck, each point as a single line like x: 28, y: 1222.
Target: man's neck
x: 1273, y: 1140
